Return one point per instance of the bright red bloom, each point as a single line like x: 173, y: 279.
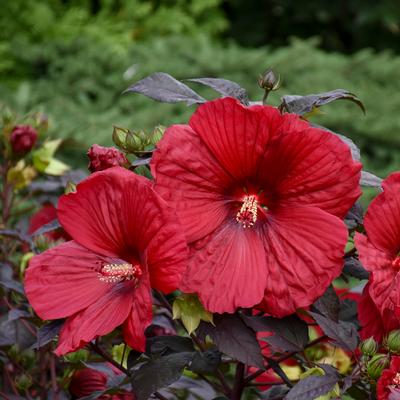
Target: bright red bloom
x: 261, y: 196
x: 126, y: 240
x: 45, y: 215
x: 388, y: 386
x: 101, y: 158
x: 87, y: 381
x: 379, y: 250
x: 23, y: 138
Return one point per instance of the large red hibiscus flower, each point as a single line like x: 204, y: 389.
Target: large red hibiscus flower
x: 379, y: 250
x: 388, y: 386
x: 125, y: 241
x: 261, y: 197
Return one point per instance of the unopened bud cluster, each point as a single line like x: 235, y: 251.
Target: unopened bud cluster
x: 136, y: 141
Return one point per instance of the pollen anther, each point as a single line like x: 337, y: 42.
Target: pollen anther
x: 396, y: 379
x: 247, y: 215
x: 114, y: 273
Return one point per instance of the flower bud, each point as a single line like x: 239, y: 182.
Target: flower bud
x: 101, y: 158
x: 369, y: 347
x: 23, y: 138
x: 269, y: 81
x: 134, y: 141
x: 393, y: 342
x: 119, y: 137
x: 157, y: 134
x: 23, y: 382
x: 376, y: 365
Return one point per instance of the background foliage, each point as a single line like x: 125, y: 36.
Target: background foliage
x: 72, y: 59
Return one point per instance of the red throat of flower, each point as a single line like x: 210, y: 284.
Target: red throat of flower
x: 247, y: 215
x: 115, y: 273
x: 396, y: 262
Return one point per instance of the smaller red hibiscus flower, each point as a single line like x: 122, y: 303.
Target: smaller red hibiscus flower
x: 45, y: 215
x: 23, y: 138
x: 101, y: 158
x: 379, y: 250
x: 388, y: 387
x: 87, y: 381
x: 126, y: 240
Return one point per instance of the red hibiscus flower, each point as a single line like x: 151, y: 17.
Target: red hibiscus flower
x: 388, y: 386
x: 379, y: 250
x: 261, y: 196
x: 46, y: 214
x: 101, y: 158
x: 88, y: 381
x: 125, y: 241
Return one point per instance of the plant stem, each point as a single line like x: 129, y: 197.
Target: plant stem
x: 108, y: 358
x: 239, y: 382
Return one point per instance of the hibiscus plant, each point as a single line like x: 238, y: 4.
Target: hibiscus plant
x: 227, y: 257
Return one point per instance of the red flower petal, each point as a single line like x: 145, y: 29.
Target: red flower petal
x: 309, y: 166
x: 100, y: 318
x: 182, y: 162
x: 385, y: 382
x: 382, y: 220
x: 229, y: 271
x: 140, y: 317
x: 236, y: 135
x: 63, y: 280
x: 95, y: 215
x: 372, y: 259
x: 305, y: 248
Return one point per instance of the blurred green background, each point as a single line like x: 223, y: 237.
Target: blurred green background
x: 72, y: 59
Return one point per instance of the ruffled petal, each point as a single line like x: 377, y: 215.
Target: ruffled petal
x: 64, y: 280
x: 372, y: 259
x: 99, y: 319
x: 236, y: 135
x: 139, y: 318
x: 309, y: 166
x: 382, y: 220
x: 191, y: 180
x: 228, y: 269
x: 94, y: 216
x: 304, y: 248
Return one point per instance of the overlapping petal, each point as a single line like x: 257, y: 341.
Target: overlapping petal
x: 99, y: 319
x: 229, y: 270
x: 304, y: 248
x: 64, y: 279
x: 140, y: 316
x: 382, y: 220
x: 191, y: 180
x: 309, y: 166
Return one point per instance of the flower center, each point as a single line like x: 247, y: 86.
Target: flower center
x: 396, y: 379
x: 247, y: 215
x: 114, y: 273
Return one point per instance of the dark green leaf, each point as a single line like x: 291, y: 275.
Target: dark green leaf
x: 163, y: 87
x: 48, y: 332
x: 12, y: 285
x: 343, y: 333
x: 140, y: 161
x: 232, y: 337
x: 290, y: 333
x: 354, y: 268
x: 17, y: 314
x: 312, y: 387
x: 168, y: 344
x: 328, y: 304
x: 354, y: 217
x: 276, y: 392
x: 305, y: 104
x: 225, y: 87
x: 159, y: 373
x: 205, y: 362
x: 370, y: 180
x: 348, y: 311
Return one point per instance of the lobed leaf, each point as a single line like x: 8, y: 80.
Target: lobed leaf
x: 312, y: 387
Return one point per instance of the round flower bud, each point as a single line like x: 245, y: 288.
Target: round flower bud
x: 393, y: 342
x: 23, y: 138
x: 376, y: 365
x: 369, y: 347
x: 269, y: 81
x: 101, y: 158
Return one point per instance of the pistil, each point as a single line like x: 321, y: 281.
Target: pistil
x: 247, y: 215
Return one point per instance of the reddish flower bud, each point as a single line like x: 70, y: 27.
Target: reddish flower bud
x: 23, y: 138
x: 88, y: 381
x: 101, y: 158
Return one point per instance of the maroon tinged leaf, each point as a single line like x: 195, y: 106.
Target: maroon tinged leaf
x: 232, y: 337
